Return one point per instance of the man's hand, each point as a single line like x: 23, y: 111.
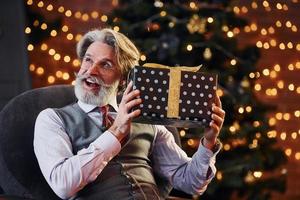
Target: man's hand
x: 211, y: 134
x: 121, y: 125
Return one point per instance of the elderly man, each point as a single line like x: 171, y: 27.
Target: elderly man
x: 92, y: 150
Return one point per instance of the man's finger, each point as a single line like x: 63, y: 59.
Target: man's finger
x: 217, y: 120
x: 128, y: 88
x: 218, y: 102
x: 133, y: 103
x: 134, y: 114
x: 219, y: 111
x: 131, y: 95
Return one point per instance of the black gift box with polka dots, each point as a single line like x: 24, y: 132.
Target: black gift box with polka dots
x: 197, y: 94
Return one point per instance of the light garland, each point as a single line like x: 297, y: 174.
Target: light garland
x: 269, y: 40
x: 84, y: 17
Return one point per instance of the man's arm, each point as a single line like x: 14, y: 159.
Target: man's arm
x: 65, y: 172
x: 190, y: 175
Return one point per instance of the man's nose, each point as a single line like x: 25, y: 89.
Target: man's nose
x: 93, y: 70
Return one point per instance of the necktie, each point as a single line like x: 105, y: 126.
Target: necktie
x: 107, y: 120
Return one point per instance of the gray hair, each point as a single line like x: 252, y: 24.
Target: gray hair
x: 127, y: 54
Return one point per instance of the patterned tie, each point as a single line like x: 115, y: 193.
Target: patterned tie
x: 107, y: 120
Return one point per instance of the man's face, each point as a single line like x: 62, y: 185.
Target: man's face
x: 98, y: 78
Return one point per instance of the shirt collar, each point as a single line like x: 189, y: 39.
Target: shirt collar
x: 89, y: 107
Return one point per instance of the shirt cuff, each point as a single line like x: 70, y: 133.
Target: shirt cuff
x: 108, y: 143
x: 207, y: 153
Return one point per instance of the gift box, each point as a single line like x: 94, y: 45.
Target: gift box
x: 176, y: 96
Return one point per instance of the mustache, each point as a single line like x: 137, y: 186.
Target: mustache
x: 95, y: 79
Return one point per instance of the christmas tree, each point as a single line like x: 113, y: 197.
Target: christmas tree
x: 190, y: 33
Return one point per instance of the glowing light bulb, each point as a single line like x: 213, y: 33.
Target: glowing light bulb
x: 51, y: 52
x: 233, y: 62
x: 210, y: 20
x: 95, y: 14
x: 163, y: 13
x: 104, y: 18
x: 297, y: 156
x: 191, y: 142
x: 85, y: 17
x: 116, y: 28
x: 44, y: 47
x: 219, y: 175
x: 49, y: 7
x: 241, y: 110
x: 58, y: 74
x: 257, y: 174
x: 143, y: 57
x: 27, y: 30
x: 65, y: 28
x: 53, y: 33
x: 182, y: 133
x: 70, y: 36
x: 44, y: 26
x: 66, y: 76
x: 283, y: 136
x: 280, y: 84
x: 230, y: 34
x: 30, y: 47
x: 76, y: 63
x: 61, y: 9
x: 40, y: 70
x: 272, y: 121
x: 31, y: 67
x: 68, y: 13
x: 40, y: 4
x: 288, y: 152
x: 67, y: 59
x: 226, y: 147
x: 277, y: 67
x: 257, y: 87
x: 57, y: 56
x: 189, y: 47
x: 51, y: 79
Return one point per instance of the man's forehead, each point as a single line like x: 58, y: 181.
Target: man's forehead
x: 100, y: 48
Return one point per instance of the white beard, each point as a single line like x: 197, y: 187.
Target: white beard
x: 102, y: 98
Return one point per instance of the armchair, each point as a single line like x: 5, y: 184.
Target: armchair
x: 20, y: 174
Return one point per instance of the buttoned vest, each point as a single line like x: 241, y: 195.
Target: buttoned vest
x: 128, y: 175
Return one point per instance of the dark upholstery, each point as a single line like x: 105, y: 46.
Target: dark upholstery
x: 19, y: 171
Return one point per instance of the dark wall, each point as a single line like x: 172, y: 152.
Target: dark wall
x: 14, y: 74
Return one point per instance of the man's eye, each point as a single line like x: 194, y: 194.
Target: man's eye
x: 87, y: 59
x: 107, y: 65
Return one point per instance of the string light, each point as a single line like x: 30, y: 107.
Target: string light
x: 219, y: 175
x: 51, y: 79
x: 31, y: 67
x: 30, y: 47
x: 182, y: 133
x: 268, y: 43
x: 53, y: 33
x: 27, y: 30
x: 40, y: 70
x: 189, y: 47
x: 143, y: 57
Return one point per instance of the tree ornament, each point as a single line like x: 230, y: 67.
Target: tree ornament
x: 152, y: 26
x: 196, y: 24
x: 207, y: 54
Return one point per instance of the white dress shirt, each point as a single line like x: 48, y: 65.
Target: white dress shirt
x: 67, y: 173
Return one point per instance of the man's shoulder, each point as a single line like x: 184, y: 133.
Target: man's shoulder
x: 51, y: 113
